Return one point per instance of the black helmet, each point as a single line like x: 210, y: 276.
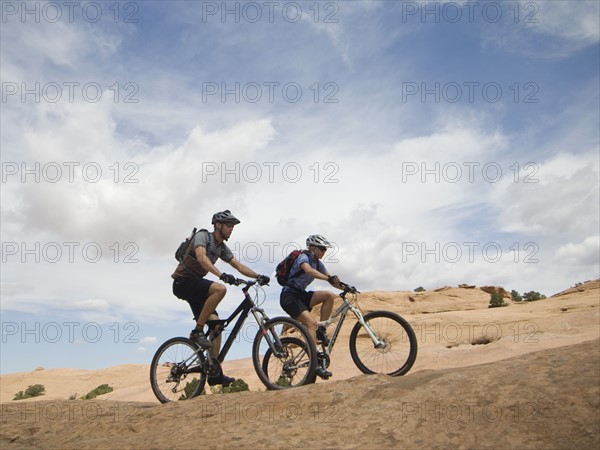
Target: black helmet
x: 224, y: 216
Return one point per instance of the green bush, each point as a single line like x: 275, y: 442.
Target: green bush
x: 33, y: 390
x: 102, y: 389
x: 284, y: 382
x: 533, y: 296
x: 190, y: 388
x: 496, y: 300
x: 419, y: 289
x: 516, y: 297
x: 238, y: 385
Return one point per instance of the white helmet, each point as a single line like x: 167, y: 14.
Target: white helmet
x: 318, y: 241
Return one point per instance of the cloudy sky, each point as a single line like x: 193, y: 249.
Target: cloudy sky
x: 435, y: 143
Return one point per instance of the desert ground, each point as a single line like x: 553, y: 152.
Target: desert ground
x: 522, y: 376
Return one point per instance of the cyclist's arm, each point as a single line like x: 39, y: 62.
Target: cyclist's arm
x: 205, y: 262
x: 318, y: 275
x: 241, y: 268
x: 313, y: 272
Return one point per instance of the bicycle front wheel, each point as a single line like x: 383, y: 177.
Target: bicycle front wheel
x: 397, y: 351
x: 177, y: 370
x: 284, y: 354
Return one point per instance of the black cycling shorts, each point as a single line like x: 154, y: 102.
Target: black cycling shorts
x: 194, y: 291
x: 295, y: 302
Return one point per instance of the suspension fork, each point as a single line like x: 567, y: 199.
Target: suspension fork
x: 361, y: 319
x: 272, y: 339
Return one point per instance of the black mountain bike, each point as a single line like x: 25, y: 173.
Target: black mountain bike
x: 283, y: 353
x: 380, y: 342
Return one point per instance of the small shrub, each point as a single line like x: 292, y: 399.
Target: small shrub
x: 33, y: 390
x: 102, y: 389
x: 496, y: 300
x: 284, y: 382
x: 419, y: 289
x: 516, y: 297
x: 533, y: 296
x: 238, y: 385
x: 190, y: 388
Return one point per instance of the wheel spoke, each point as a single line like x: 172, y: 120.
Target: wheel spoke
x: 399, y: 351
x: 176, y: 371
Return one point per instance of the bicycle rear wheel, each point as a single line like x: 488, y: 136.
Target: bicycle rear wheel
x: 399, y: 350
x: 284, y: 355
x: 177, y: 370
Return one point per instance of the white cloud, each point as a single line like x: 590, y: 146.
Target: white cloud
x: 576, y: 22
x: 584, y: 253
x: 550, y: 29
x: 149, y: 340
x: 167, y: 188
x: 363, y: 144
x: 556, y: 197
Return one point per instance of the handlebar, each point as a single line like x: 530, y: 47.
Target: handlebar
x: 247, y: 283
x: 347, y: 289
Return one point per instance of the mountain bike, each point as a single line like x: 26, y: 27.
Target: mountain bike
x: 283, y: 353
x: 380, y: 342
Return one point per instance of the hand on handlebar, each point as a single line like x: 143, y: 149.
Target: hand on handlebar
x: 348, y: 289
x: 262, y: 280
x: 227, y: 278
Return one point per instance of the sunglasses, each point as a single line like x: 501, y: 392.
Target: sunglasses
x: 323, y: 249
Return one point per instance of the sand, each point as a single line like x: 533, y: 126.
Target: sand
x: 535, y: 384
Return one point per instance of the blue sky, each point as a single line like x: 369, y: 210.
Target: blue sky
x: 432, y: 150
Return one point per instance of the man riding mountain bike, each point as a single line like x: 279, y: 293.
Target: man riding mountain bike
x: 298, y: 302
x: 204, y: 295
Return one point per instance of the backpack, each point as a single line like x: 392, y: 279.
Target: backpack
x: 183, y: 247
x: 282, y: 272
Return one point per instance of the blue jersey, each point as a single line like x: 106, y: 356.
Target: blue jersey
x: 302, y: 280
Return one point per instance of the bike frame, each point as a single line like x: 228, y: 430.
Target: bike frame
x: 242, y: 310
x: 342, y: 311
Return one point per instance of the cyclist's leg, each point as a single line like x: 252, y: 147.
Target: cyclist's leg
x: 309, y: 322
x: 297, y: 306
x: 215, y: 294
x: 216, y: 342
x: 326, y: 298
x: 203, y: 296
x: 206, y: 298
